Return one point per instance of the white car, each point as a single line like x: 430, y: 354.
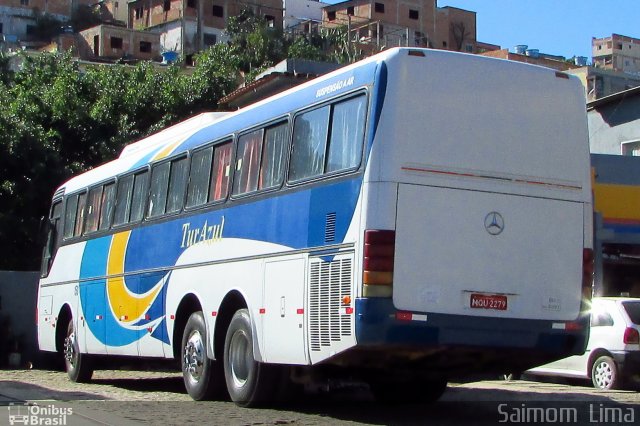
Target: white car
x: 612, y: 357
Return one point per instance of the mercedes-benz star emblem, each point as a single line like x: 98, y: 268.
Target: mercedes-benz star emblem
x: 494, y: 223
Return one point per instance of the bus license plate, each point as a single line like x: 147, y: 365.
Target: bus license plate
x: 489, y: 301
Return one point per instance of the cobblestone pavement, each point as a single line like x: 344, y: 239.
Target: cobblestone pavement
x: 158, y: 398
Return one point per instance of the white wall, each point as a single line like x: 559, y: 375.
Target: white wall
x: 296, y: 11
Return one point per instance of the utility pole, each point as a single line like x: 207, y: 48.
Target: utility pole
x: 199, y: 34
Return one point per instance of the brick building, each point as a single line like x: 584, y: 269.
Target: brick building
x: 115, y: 42
x: 18, y: 18
x: 389, y: 23
x: 184, y: 30
x: 600, y: 82
x: 617, y: 53
x: 550, y: 61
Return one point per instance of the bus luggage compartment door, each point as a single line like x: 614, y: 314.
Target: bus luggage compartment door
x: 487, y: 254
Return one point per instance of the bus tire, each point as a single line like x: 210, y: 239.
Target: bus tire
x: 249, y: 382
x: 202, y: 376
x: 77, y: 365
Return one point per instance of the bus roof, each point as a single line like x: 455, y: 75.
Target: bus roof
x: 209, y: 127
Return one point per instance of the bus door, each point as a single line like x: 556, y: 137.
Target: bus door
x: 92, y: 298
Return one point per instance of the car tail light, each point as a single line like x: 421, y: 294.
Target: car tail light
x: 587, y: 274
x: 379, y: 251
x: 631, y: 336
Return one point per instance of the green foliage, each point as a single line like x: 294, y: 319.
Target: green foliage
x: 303, y: 48
x: 5, y: 72
x: 254, y: 42
x: 57, y: 121
x: 341, y: 51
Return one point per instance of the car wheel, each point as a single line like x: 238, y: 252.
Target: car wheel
x: 78, y: 365
x: 202, y: 375
x: 604, y: 373
x: 249, y: 382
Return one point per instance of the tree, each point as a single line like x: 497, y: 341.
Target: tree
x: 254, y: 42
x: 303, y: 48
x: 57, y: 121
x: 460, y: 33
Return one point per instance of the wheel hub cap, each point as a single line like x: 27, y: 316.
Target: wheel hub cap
x: 69, y: 348
x: 603, y: 375
x: 240, y: 358
x: 194, y: 356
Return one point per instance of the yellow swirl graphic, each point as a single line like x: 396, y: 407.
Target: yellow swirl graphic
x: 166, y: 150
x: 120, y: 298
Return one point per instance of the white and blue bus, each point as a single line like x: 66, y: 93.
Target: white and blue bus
x: 406, y: 219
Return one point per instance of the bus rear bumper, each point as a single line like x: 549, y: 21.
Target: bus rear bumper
x: 532, y: 342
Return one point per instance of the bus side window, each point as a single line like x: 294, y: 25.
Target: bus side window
x: 93, y: 209
x: 139, y: 196
x: 309, y: 144
x: 220, y: 172
x: 248, y: 162
x: 347, y: 134
x: 272, y: 165
x: 199, y: 174
x: 108, y: 206
x: 82, y: 201
x: 158, y: 190
x: 177, y: 184
x: 53, y: 238
x: 71, y: 208
x: 123, y: 200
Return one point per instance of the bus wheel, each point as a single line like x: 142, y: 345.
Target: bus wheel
x: 78, y: 365
x: 202, y: 375
x: 249, y: 382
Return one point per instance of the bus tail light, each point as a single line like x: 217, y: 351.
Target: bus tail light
x: 587, y: 275
x: 379, y: 251
x: 631, y: 336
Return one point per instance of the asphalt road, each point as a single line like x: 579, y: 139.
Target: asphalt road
x: 142, y: 398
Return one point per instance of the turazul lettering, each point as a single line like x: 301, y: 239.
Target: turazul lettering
x: 205, y: 233
x: 334, y: 87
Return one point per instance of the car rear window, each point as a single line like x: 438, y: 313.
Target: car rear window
x: 633, y: 310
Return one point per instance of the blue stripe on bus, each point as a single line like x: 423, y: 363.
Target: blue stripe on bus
x: 107, y: 330
x: 296, y: 220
